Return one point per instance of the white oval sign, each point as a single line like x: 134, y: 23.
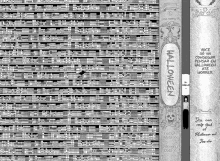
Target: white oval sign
x: 170, y: 74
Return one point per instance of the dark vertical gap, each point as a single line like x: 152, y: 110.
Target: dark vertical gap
x: 186, y: 70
